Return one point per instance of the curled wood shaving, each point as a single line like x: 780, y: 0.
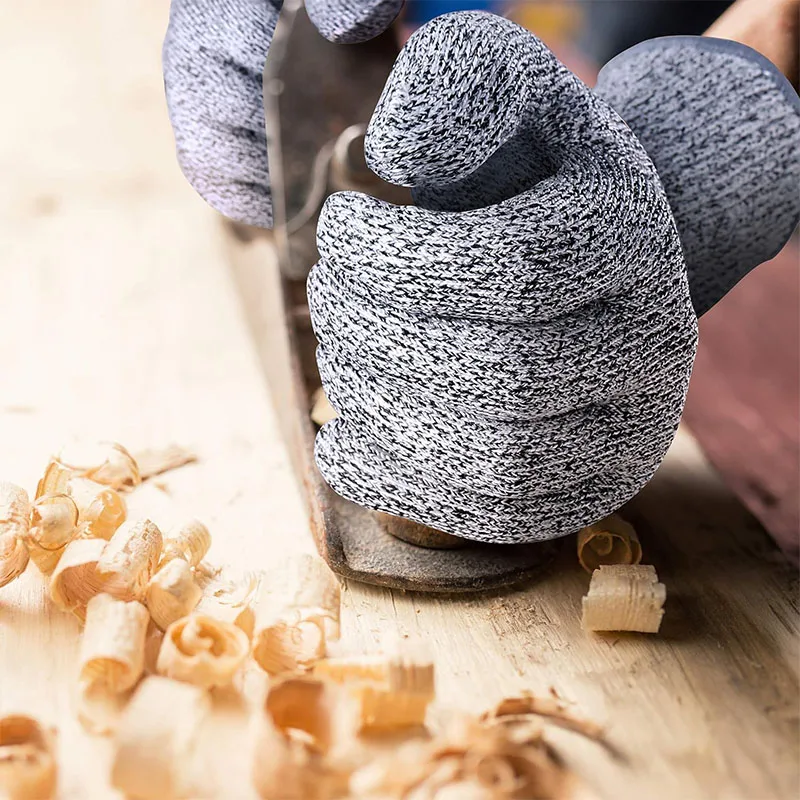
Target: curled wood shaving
x: 55, y: 480
x: 321, y: 409
x: 624, y: 598
x: 130, y: 559
x: 28, y: 769
x: 157, y: 460
x: 228, y: 596
x: 107, y: 463
x: 393, y: 691
x: 190, y: 541
x: 111, y: 657
x: 304, y: 747
x: 112, y: 648
x: 14, y: 558
x: 15, y: 512
x: 468, y: 760
x: 512, y: 710
x: 155, y: 737
x: 296, y: 616
x: 203, y: 651
x: 75, y: 579
x: 101, y: 510
x: 53, y: 524
x: 172, y: 593
x: 610, y: 541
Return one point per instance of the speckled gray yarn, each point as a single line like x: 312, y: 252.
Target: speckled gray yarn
x: 515, y: 368
x: 350, y: 21
x: 722, y: 126
x: 213, y: 56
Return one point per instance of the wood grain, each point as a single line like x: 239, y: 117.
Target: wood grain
x: 120, y: 319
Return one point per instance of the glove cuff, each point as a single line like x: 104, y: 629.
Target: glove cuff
x: 721, y: 124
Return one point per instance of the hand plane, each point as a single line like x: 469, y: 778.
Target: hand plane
x: 318, y: 98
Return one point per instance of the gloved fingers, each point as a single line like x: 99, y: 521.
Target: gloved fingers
x: 501, y: 459
x: 522, y: 260
x: 515, y: 167
x: 509, y: 371
x: 491, y: 403
x: 213, y: 59
x: 450, y: 100
x: 371, y: 476
x: 351, y: 21
x: 464, y: 84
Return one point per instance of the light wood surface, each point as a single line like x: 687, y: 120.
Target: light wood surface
x: 120, y: 318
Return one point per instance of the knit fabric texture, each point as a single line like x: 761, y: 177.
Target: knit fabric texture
x: 509, y: 358
x: 213, y: 57
x: 722, y: 126
x: 351, y: 21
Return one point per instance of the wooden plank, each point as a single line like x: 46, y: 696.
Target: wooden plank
x: 120, y: 319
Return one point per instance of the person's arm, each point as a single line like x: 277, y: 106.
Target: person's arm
x: 771, y: 27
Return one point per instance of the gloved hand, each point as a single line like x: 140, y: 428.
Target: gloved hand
x: 510, y: 359
x: 214, y: 55
x: 722, y: 126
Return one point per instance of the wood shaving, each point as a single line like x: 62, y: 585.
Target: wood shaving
x: 158, y: 460
x: 190, y: 541
x: 624, y: 598
x: 111, y: 657
x: 106, y: 463
x: 321, y: 409
x: 610, y: 541
x: 228, y: 596
x: 172, y: 593
x: 203, y: 651
x: 55, y: 480
x: 101, y: 510
x: 14, y: 558
x: 304, y: 746
x: 28, y: 769
x: 54, y: 521
x: 15, y: 512
x: 393, y: 691
x: 155, y: 737
x: 513, y: 710
x: 297, y: 616
x: 130, y: 559
x: 75, y: 579
x: 468, y: 760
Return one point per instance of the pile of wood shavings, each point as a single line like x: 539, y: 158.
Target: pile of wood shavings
x: 318, y: 733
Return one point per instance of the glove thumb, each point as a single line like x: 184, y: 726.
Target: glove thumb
x: 450, y: 102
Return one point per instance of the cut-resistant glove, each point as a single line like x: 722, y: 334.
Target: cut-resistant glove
x: 722, y: 126
x: 510, y: 357
x: 213, y: 57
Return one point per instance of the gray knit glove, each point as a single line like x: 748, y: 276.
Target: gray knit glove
x: 214, y: 55
x: 509, y: 358
x: 722, y: 126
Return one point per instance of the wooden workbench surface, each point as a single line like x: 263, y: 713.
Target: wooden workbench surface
x: 120, y: 318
